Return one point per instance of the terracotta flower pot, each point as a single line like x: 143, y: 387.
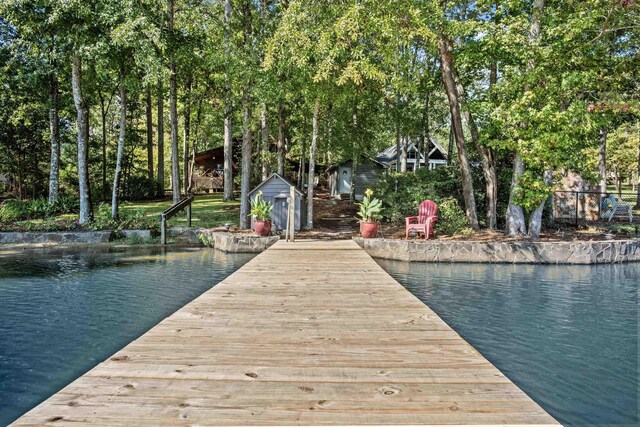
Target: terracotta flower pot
x: 262, y: 228
x: 369, y: 230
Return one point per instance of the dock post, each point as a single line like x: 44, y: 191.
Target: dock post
x: 189, y: 215
x: 292, y: 212
x: 163, y: 230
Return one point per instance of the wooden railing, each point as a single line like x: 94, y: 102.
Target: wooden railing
x: 172, y: 211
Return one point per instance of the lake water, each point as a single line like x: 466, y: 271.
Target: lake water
x: 61, y: 313
x: 566, y: 335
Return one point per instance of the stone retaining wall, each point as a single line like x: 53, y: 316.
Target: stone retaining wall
x: 61, y: 238
x: 237, y: 243
x: 578, y: 252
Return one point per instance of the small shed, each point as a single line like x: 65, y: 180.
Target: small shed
x: 276, y: 190
x: 341, y: 177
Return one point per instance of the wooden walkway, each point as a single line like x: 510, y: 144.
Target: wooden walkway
x: 306, y: 333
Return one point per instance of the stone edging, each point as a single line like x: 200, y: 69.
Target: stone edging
x: 237, y: 243
x: 224, y: 241
x: 57, y: 237
x: 577, y: 252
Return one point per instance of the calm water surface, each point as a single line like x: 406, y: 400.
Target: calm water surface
x: 566, y: 335
x: 61, y: 313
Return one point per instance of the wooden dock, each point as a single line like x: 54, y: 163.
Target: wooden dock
x: 307, y: 333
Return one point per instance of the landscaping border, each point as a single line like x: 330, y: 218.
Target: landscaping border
x: 516, y: 252
x: 221, y: 240
x: 236, y: 243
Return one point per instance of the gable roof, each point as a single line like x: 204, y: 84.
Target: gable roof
x: 390, y: 154
x: 274, y: 175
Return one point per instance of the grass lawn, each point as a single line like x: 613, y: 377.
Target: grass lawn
x: 208, y: 211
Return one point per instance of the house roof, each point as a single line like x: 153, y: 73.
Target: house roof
x: 274, y: 176
x: 390, y: 154
x: 374, y: 161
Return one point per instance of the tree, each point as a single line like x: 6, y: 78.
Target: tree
x: 228, y: 111
x: 173, y: 104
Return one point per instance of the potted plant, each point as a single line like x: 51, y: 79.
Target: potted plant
x: 261, y: 213
x: 369, y: 213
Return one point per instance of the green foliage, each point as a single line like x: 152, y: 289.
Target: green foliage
x: 261, y: 208
x: 370, y: 210
x: 401, y: 193
x: 131, y: 219
x: 21, y: 210
x: 451, y: 217
x: 140, y: 187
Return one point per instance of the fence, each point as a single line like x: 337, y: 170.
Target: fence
x: 588, y: 207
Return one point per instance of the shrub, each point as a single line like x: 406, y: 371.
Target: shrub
x: 451, y: 217
x: 20, y: 210
x: 141, y: 187
x: 402, y: 193
x: 67, y: 204
x: 12, y: 211
x: 40, y: 208
x: 127, y: 219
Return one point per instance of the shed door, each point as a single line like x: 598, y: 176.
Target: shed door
x: 345, y: 180
x: 279, y: 214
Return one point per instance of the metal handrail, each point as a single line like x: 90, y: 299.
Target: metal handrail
x: 171, y: 212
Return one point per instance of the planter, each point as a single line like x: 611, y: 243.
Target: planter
x: 369, y: 230
x: 262, y: 228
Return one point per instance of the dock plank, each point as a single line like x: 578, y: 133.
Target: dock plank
x: 307, y: 333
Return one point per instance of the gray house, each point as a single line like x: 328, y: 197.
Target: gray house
x: 436, y: 157
x: 276, y: 189
x: 342, y: 176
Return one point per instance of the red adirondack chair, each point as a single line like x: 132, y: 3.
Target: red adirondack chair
x: 425, y: 221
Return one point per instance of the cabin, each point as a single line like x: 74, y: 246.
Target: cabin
x: 436, y: 157
x: 276, y: 190
x: 208, y: 171
x: 342, y: 177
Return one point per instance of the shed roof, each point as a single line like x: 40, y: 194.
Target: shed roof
x: 350, y: 161
x: 274, y: 176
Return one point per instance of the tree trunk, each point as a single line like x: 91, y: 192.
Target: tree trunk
x: 487, y: 159
x: 120, y: 152
x: 398, y: 144
x: 247, y: 139
x: 404, y: 154
x: 303, y: 164
x: 228, y: 112
x: 186, y: 136
x: 355, y: 154
x: 281, y: 142
x: 54, y: 127
x: 535, y: 221
x: 312, y: 164
x: 149, y: 135
x: 446, y: 60
x: 602, y: 161
x: 160, y: 174
x: 173, y: 111
x: 423, y: 149
x: 103, y: 114
x: 86, y: 210
x: 638, y: 176
x: 516, y: 226
x: 264, y: 127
